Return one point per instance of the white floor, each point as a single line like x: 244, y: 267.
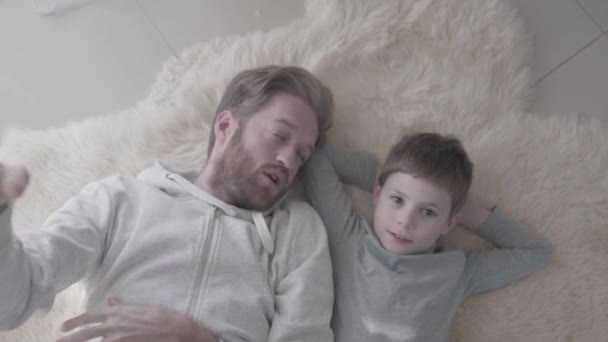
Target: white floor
x: 104, y: 56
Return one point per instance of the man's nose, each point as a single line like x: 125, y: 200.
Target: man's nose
x: 287, y: 157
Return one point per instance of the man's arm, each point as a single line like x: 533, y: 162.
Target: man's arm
x: 518, y: 251
x: 304, y: 292
x: 35, y: 266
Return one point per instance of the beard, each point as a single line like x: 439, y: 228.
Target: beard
x: 241, y: 182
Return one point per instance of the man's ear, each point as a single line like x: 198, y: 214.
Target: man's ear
x: 225, y: 126
x: 452, y: 222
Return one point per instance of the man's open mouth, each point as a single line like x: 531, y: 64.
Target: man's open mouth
x: 273, y: 178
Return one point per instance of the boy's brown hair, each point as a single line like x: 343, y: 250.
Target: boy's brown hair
x: 439, y: 159
x: 250, y: 89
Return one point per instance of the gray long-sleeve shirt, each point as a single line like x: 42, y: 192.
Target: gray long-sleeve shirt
x: 381, y: 296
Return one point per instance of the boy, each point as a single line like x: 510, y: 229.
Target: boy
x: 392, y: 281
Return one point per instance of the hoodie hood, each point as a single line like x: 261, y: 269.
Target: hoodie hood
x: 179, y: 183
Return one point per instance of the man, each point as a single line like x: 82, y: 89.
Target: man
x: 204, y: 256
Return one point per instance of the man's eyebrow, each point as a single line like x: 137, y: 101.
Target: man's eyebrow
x: 309, y: 148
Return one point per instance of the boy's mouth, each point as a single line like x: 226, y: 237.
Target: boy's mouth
x: 400, y: 238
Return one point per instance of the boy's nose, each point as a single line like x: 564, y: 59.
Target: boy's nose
x: 406, y: 219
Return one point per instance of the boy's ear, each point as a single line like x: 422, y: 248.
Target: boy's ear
x: 452, y: 222
x: 377, y: 189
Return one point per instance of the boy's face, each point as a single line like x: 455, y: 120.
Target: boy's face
x: 411, y: 213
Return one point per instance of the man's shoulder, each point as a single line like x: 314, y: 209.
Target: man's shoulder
x: 300, y: 217
x: 115, y: 183
x: 299, y: 231
x: 297, y: 207
x: 115, y: 179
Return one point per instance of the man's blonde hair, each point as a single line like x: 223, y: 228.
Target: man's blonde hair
x: 439, y: 159
x: 250, y: 89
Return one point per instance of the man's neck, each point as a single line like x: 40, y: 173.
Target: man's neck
x: 209, y: 181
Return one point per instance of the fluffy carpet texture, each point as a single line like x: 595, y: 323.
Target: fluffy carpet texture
x: 449, y: 66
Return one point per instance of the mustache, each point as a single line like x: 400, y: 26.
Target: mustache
x: 276, y: 167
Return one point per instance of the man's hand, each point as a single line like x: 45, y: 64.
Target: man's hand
x: 135, y: 323
x: 13, y: 181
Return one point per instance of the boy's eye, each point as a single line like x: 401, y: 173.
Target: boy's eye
x: 280, y: 137
x: 429, y: 212
x: 397, y: 199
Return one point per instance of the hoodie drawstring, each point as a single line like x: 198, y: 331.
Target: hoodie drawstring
x: 258, y: 217
x: 263, y: 232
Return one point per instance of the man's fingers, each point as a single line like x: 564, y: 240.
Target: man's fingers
x: 84, y: 319
x: 13, y: 181
x: 85, y: 334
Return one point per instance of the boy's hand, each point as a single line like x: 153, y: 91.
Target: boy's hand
x: 13, y: 181
x: 473, y: 216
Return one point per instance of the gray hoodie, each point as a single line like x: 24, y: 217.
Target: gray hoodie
x: 161, y: 240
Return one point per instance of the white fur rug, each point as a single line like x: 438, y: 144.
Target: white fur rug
x: 451, y: 66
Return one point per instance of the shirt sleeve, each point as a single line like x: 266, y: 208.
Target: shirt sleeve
x: 518, y: 252
x: 356, y: 168
x: 326, y: 191
x: 36, y: 265
x: 304, y: 295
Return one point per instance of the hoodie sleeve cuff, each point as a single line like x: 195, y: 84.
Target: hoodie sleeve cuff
x: 6, y: 231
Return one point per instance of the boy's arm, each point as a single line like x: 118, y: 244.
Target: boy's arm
x: 36, y: 265
x: 518, y: 252
x: 327, y: 195
x: 356, y: 168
